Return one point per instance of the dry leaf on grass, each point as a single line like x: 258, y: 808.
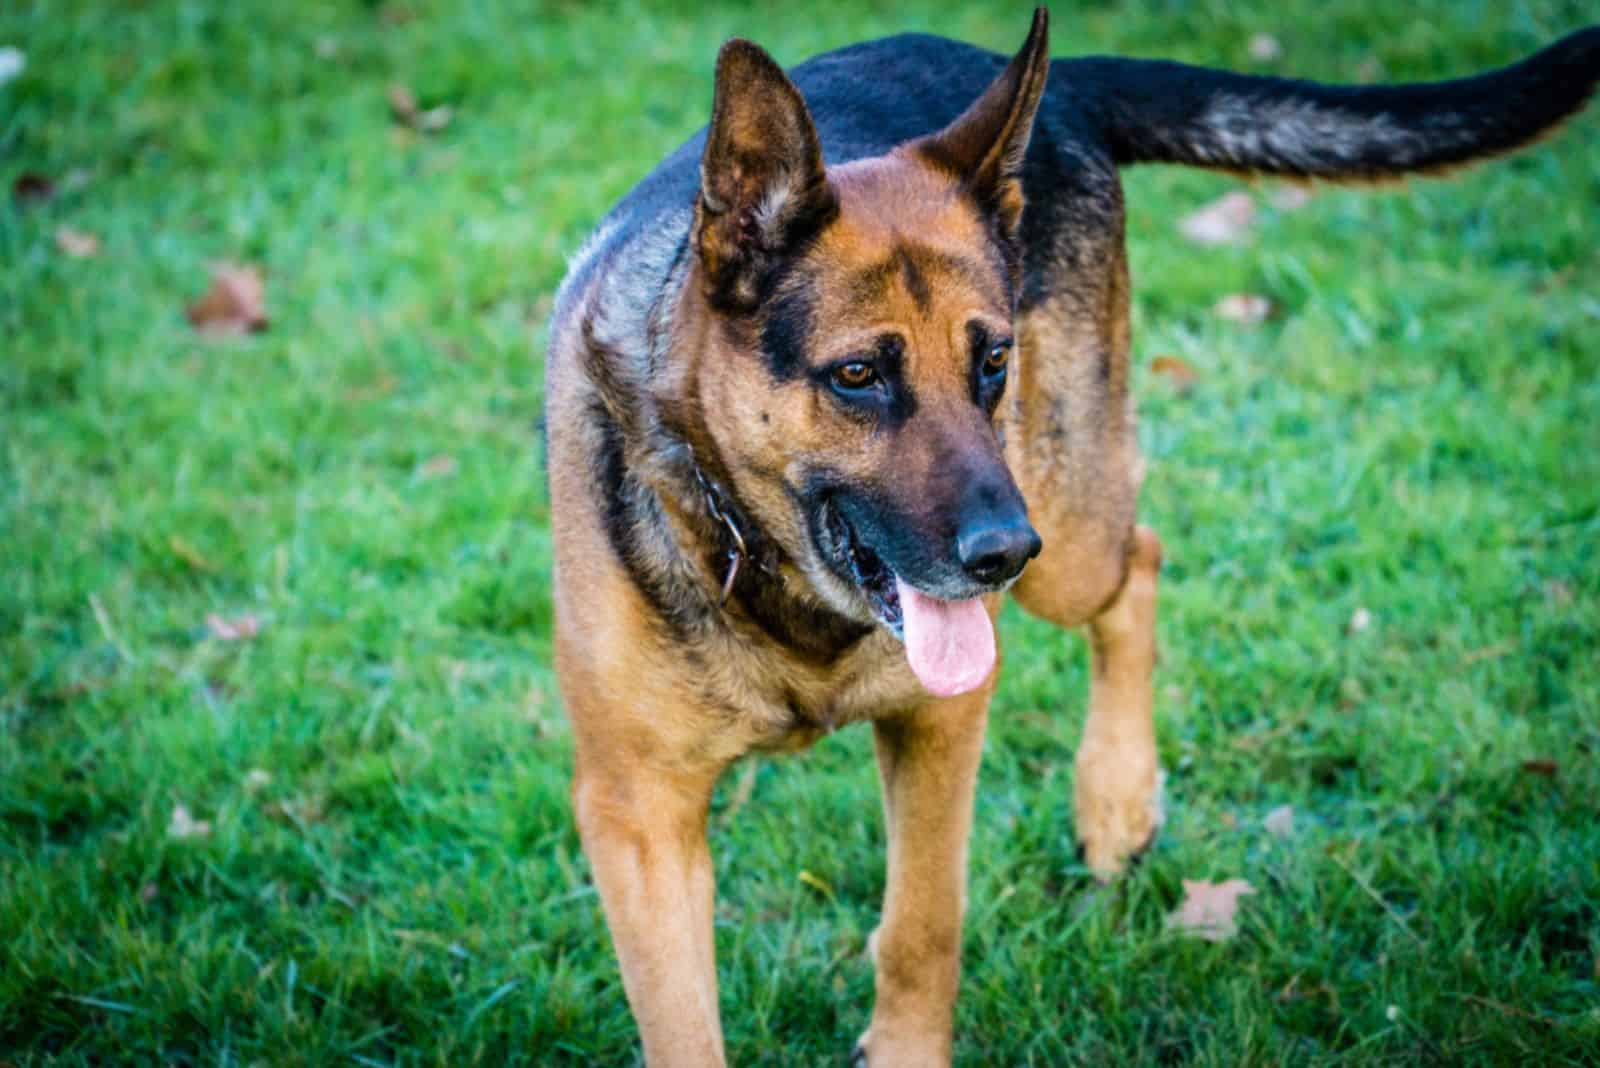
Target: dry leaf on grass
x: 403, y: 105
x: 437, y: 467
x: 76, y: 243
x: 1177, y: 371
x: 1558, y: 592
x: 396, y: 15
x: 1491, y: 652
x: 12, y: 63
x: 1280, y: 821
x: 235, y: 303
x: 1247, y: 309
x: 1224, y: 221
x: 237, y: 629
x: 1264, y: 48
x: 1541, y: 766
x: 1210, y: 910
x: 184, y: 825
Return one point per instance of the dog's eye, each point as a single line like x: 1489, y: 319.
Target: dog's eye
x: 998, y: 356
x: 854, y: 375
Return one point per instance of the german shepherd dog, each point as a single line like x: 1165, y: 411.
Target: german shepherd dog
x: 840, y: 372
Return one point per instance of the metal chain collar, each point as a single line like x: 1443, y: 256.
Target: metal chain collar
x: 738, y: 551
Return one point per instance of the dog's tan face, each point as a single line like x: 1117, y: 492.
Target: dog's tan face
x: 865, y: 354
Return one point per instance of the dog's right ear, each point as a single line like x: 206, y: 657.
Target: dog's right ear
x: 763, y: 189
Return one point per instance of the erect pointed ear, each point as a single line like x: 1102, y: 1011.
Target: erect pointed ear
x: 763, y: 189
x: 985, y: 146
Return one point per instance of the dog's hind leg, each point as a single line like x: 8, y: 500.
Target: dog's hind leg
x: 1117, y: 789
x: 1070, y: 443
x: 928, y: 761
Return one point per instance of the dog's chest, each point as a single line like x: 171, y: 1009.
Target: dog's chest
x: 789, y: 703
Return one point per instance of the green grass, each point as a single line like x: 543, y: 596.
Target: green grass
x: 1415, y: 435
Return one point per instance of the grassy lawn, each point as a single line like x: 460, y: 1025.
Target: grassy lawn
x: 390, y: 875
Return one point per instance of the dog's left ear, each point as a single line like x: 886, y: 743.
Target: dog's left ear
x: 985, y: 146
x: 763, y: 188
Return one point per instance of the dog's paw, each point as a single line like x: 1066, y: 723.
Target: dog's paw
x: 1118, y: 798
x: 900, y: 1050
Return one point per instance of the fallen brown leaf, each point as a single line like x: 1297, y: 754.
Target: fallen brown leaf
x: 438, y: 467
x: 237, y: 629
x: 1224, y: 221
x: 1280, y: 821
x: 403, y: 106
x: 76, y: 243
x: 1177, y: 371
x: 396, y: 15
x: 1293, y: 990
x: 301, y: 811
x: 402, y: 103
x: 184, y: 825
x: 30, y: 187
x: 235, y: 303
x: 1491, y: 652
x: 1247, y: 309
x: 1210, y: 910
x: 1541, y: 766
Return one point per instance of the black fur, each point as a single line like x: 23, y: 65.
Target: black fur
x: 1159, y: 112
x: 787, y: 326
x: 629, y: 519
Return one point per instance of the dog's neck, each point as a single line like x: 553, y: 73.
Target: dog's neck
x: 749, y: 573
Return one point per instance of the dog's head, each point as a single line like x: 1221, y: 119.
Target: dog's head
x: 860, y: 343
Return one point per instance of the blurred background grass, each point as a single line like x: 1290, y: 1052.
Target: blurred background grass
x: 398, y: 883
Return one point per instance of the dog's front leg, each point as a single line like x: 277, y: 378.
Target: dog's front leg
x: 643, y: 829
x: 928, y: 761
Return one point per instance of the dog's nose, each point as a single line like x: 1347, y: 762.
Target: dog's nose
x: 995, y: 549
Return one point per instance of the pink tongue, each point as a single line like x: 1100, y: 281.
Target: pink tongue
x: 950, y: 644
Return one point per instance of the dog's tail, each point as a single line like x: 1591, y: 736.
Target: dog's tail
x: 1159, y: 112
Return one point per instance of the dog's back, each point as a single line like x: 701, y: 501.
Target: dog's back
x: 1102, y: 112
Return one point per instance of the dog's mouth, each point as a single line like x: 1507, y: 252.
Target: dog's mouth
x: 950, y: 644
x: 870, y: 573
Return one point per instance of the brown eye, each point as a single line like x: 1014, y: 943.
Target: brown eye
x: 998, y: 357
x: 854, y: 375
